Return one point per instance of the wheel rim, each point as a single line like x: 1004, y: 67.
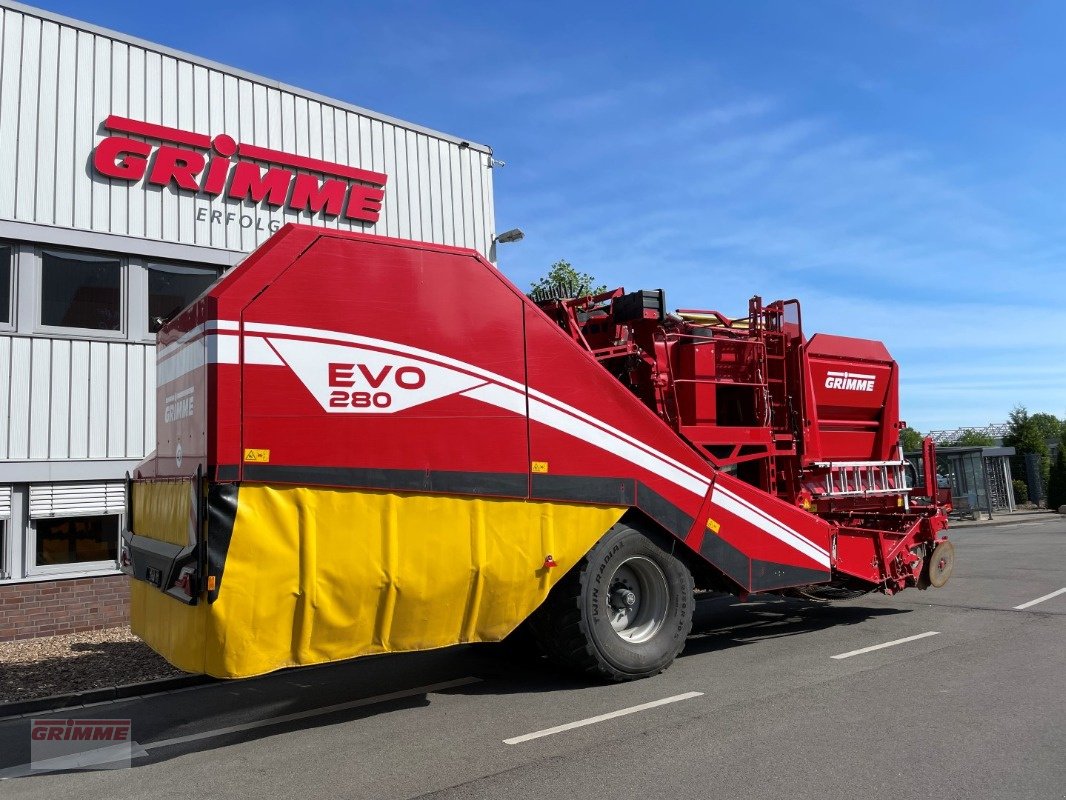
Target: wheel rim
x: 637, y: 599
x: 941, y: 562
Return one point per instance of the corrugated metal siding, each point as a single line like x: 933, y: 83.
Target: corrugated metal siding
x: 74, y: 399
x: 74, y: 499
x: 58, y: 84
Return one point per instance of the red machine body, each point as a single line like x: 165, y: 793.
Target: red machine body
x: 341, y: 359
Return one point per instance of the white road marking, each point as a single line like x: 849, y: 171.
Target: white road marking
x: 602, y: 717
x: 893, y: 643
x: 314, y: 712
x: 1055, y: 593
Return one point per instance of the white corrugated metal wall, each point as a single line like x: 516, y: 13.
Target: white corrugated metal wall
x: 82, y: 408
x: 70, y: 399
x: 59, y: 83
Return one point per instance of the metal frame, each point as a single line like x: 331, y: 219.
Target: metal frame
x: 116, y: 243
x: 12, y: 320
x: 20, y: 542
x: 876, y: 474
x: 995, y: 430
x: 40, y: 328
x: 79, y: 569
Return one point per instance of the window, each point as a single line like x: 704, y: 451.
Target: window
x: 81, y: 291
x: 77, y: 540
x: 75, y: 526
x: 5, y: 284
x: 171, y: 288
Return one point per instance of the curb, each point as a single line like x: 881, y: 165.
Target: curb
x: 1002, y: 520
x: 58, y: 702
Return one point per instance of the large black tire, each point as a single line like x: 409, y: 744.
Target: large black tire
x: 623, y: 612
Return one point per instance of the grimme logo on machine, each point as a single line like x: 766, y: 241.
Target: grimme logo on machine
x: 852, y: 381
x: 219, y: 166
x: 180, y: 405
x: 349, y: 379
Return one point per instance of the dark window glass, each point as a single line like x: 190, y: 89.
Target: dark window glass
x: 81, y: 292
x: 72, y: 540
x: 5, y: 283
x: 170, y: 289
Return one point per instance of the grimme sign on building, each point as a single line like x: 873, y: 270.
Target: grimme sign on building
x: 131, y: 176
x: 198, y: 164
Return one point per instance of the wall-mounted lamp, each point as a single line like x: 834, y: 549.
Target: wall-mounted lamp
x: 513, y: 235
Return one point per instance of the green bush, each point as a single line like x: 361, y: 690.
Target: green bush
x: 1021, y: 492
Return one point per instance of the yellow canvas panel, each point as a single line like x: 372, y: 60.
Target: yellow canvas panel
x: 162, y: 510
x: 174, y: 630
x: 315, y: 575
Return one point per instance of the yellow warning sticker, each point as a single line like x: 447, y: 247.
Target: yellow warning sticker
x: 539, y: 466
x: 714, y: 526
x: 257, y: 456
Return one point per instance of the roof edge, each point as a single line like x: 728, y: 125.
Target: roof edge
x: 88, y: 27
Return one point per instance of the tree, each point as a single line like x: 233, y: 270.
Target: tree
x: 562, y: 277
x: 1027, y: 436
x: 1048, y: 426
x: 910, y: 440
x: 1056, y: 485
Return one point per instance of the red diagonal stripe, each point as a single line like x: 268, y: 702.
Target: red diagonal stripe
x: 167, y: 134
x: 311, y: 164
x: 147, y: 129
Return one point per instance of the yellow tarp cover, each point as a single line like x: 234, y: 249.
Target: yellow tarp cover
x: 315, y: 575
x: 163, y: 510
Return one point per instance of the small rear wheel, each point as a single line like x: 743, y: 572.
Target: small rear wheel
x: 623, y: 612
x: 938, y: 566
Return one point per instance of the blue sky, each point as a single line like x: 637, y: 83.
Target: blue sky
x: 898, y: 166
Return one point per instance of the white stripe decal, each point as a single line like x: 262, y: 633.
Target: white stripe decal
x: 515, y: 401
x: 754, y: 509
x: 179, y: 395
x: 258, y: 351
x: 501, y: 392
x: 579, y: 429
x: 380, y: 344
x: 185, y: 361
x: 213, y: 348
x: 731, y: 503
x: 193, y: 333
x: 366, y: 341
x: 620, y: 435
x: 499, y: 396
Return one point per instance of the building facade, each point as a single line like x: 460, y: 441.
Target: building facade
x: 131, y: 175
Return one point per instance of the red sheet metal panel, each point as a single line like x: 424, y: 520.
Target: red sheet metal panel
x: 341, y: 359
x: 852, y: 399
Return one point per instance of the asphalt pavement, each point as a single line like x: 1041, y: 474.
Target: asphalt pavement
x: 950, y: 693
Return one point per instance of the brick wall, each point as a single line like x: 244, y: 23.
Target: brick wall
x: 49, y: 608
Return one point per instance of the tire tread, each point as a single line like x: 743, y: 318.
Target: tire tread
x: 560, y: 628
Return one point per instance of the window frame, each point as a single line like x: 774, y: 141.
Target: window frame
x: 12, y: 300
x: 82, y: 333
x: 6, y: 573
x: 76, y: 569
